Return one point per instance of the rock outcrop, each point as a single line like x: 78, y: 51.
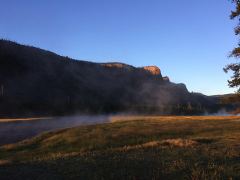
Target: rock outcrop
x: 117, y: 65
x: 166, y: 79
x: 154, y: 70
x: 40, y: 82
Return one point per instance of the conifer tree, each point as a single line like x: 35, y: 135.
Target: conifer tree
x: 235, y: 67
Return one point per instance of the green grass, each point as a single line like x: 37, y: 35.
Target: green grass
x: 136, y: 148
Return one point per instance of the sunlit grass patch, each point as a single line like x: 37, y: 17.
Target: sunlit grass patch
x: 159, y: 148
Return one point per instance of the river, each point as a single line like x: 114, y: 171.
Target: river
x: 14, y: 131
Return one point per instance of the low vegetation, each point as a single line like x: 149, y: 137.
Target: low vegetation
x: 130, y: 148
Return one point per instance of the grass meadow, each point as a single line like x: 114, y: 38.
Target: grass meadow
x: 134, y: 147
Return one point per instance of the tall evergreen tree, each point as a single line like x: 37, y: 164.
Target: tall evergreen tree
x: 235, y: 67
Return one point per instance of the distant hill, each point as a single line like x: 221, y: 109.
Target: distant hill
x: 35, y: 81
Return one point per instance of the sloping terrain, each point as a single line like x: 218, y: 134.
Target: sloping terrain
x: 34, y: 81
x: 135, y: 148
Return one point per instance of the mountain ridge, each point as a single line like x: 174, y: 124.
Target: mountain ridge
x: 39, y: 81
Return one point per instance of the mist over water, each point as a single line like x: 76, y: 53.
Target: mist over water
x: 11, y: 132
x: 15, y: 131
x: 221, y: 112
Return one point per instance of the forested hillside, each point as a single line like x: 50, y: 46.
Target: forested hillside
x: 35, y: 81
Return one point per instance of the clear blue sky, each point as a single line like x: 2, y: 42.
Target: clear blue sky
x: 189, y: 40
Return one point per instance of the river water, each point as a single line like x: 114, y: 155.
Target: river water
x: 11, y: 132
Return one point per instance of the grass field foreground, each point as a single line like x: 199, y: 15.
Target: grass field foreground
x: 137, y: 147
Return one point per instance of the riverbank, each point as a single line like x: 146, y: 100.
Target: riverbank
x: 141, y: 148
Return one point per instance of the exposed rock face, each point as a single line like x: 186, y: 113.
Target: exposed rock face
x: 154, y: 70
x: 166, y: 79
x: 40, y: 82
x: 117, y: 65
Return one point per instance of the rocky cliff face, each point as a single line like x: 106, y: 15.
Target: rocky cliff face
x: 154, y: 70
x: 166, y: 79
x: 36, y: 81
x: 117, y: 65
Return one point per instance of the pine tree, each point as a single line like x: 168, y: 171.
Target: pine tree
x: 235, y: 67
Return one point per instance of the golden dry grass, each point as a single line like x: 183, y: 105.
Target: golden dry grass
x: 139, y: 147
x: 22, y: 119
x: 175, y: 118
